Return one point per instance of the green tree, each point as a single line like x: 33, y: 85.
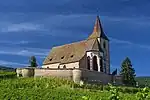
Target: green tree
x: 33, y: 61
x: 128, y: 73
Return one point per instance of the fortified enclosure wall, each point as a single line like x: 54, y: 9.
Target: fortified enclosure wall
x: 74, y: 74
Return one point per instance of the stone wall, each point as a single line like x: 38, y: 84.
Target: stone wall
x: 96, y: 76
x: 64, y: 73
x: 74, y: 74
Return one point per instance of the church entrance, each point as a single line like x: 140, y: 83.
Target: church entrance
x: 95, y: 65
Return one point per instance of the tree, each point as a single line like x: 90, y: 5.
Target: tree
x: 33, y: 61
x: 128, y: 73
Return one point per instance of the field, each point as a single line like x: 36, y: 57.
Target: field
x: 53, y: 89
x: 143, y: 81
x: 40, y: 88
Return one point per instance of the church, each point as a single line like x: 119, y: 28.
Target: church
x: 91, y: 54
x: 87, y: 60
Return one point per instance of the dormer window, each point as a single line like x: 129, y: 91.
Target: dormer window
x: 62, y: 57
x: 50, y: 59
x: 71, y: 56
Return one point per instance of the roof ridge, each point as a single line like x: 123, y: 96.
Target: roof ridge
x: 70, y: 43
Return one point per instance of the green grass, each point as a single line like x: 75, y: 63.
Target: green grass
x: 143, y: 81
x: 51, y: 89
x: 7, y: 74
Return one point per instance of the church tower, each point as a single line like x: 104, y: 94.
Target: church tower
x: 98, y: 34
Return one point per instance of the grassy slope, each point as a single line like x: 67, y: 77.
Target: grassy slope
x: 143, y: 80
x: 49, y: 89
x: 3, y: 68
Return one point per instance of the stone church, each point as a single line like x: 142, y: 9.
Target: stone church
x: 87, y: 60
x: 91, y: 54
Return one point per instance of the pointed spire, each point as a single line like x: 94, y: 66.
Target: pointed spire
x: 97, y: 26
x: 98, y: 30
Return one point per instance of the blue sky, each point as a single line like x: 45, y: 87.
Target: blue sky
x: 33, y: 27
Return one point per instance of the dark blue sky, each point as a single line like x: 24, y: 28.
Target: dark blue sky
x: 32, y: 27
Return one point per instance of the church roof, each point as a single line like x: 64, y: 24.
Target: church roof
x: 98, y: 30
x: 75, y: 51
x: 70, y: 52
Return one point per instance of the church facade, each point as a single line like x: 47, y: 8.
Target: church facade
x: 91, y: 54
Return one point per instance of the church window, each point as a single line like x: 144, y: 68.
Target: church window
x: 64, y: 66
x: 58, y: 67
x: 95, y: 65
x: 71, y: 56
x: 101, y: 64
x: 104, y: 45
x: 50, y: 59
x: 88, y: 63
x: 62, y: 57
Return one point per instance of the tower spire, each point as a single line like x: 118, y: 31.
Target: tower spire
x: 97, y: 30
x: 97, y: 26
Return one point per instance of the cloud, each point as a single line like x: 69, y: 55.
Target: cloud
x: 25, y: 52
x: 117, y: 7
x: 15, y: 42
x: 117, y: 41
x: 7, y: 63
x: 20, y: 27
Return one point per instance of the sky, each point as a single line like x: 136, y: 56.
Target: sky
x: 33, y: 27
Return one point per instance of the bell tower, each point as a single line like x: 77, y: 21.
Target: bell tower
x: 99, y: 34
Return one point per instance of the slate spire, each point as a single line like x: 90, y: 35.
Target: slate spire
x: 98, y: 30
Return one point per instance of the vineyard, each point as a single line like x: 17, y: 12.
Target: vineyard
x: 61, y: 89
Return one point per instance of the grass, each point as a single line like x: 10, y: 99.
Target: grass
x: 7, y: 74
x: 41, y: 88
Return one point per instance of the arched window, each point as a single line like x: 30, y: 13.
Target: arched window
x: 95, y: 65
x: 104, y: 45
x: 88, y: 63
x: 101, y: 64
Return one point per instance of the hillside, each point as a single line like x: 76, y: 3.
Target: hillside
x: 143, y: 80
x: 4, y: 68
x: 54, y: 89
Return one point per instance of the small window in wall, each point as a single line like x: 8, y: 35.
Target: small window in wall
x: 58, y: 67
x: 104, y: 45
x: 64, y: 66
x: 62, y: 57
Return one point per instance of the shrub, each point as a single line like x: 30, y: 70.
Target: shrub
x: 143, y: 95
x: 114, y: 93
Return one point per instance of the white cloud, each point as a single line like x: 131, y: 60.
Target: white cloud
x: 7, y: 63
x: 15, y: 42
x: 117, y: 41
x: 134, y: 21
x: 10, y: 27
x: 25, y: 52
